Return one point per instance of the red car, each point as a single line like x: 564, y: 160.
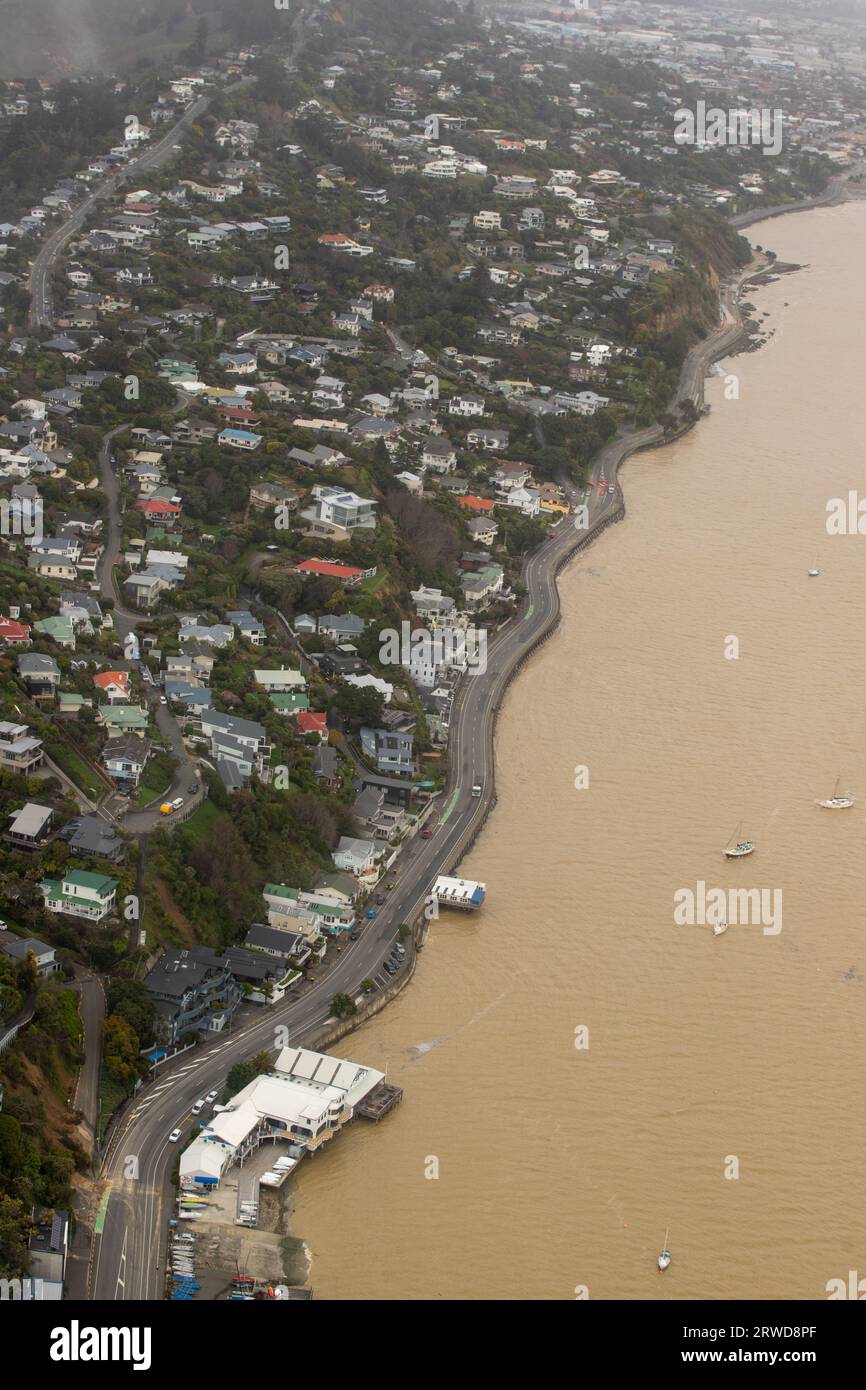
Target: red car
x: 427, y: 833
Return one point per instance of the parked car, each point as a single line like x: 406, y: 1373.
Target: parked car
x: 399, y: 950
x: 211, y: 1097
x: 198, y: 1107
x: 380, y: 899
x: 389, y: 968
x: 427, y: 833
x: 371, y: 913
x: 174, y: 1136
x: 354, y: 935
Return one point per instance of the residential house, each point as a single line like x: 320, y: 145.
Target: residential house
x: 250, y: 629
x: 391, y: 751
x: 30, y: 826
x: 466, y: 406
x: 114, y: 685
x: 193, y: 991
x: 18, y: 948
x: 40, y: 674
x: 335, y: 513
x: 91, y: 835
x: 357, y: 857
x: 124, y: 759
x: 481, y: 586
x: 439, y: 455
x: 19, y: 750
x: 80, y: 894
x: 246, y: 440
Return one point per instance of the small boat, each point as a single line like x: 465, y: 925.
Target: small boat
x: 837, y: 802
x: 664, y: 1258
x: 813, y: 574
x: 737, y: 848
x: 719, y: 927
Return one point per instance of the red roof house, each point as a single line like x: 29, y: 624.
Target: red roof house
x: 114, y: 684
x: 475, y: 504
x: 310, y: 723
x: 10, y: 631
x: 347, y: 574
x: 155, y: 509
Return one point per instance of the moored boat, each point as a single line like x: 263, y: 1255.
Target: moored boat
x: 737, y: 848
x: 837, y: 802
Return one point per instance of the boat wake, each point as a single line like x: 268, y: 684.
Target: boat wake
x: 421, y: 1049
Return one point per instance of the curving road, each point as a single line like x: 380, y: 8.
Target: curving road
x: 130, y: 1249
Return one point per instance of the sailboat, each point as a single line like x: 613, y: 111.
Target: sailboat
x: 737, y: 848
x: 837, y: 802
x: 664, y: 1258
x: 719, y: 927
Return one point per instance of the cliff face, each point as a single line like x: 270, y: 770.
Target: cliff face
x: 685, y: 304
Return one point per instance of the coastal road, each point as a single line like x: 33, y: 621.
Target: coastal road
x: 129, y: 1251
x: 130, y: 1248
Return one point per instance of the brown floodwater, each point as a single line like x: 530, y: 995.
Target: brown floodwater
x: 561, y: 1166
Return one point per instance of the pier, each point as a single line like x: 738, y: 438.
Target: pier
x: 382, y: 1099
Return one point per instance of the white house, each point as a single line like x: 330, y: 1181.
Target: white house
x: 466, y: 406
x: 80, y: 894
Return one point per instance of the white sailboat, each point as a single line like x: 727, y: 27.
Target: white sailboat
x: 837, y: 802
x: 719, y: 927
x: 664, y: 1258
x: 737, y: 848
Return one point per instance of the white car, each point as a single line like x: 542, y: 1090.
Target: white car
x: 211, y: 1097
x: 163, y: 700
x: 174, y: 1136
x: 198, y: 1107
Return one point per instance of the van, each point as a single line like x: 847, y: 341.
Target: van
x: 476, y: 790
x: 177, y: 803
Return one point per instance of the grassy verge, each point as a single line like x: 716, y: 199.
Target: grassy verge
x: 201, y: 821
x: 155, y: 779
x: 76, y: 770
x: 111, y: 1095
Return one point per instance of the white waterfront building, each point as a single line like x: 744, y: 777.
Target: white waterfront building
x: 303, y: 1100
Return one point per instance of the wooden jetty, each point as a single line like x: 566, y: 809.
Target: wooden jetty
x: 380, y: 1101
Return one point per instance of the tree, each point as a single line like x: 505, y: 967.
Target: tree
x: 360, y: 705
x: 343, y: 1006
x: 120, y: 1050
x: 14, y: 1230
x: 242, y: 1073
